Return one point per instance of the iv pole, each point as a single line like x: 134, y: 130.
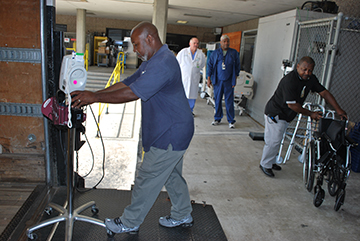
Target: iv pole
x: 69, y: 215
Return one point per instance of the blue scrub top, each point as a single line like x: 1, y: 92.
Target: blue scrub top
x: 166, y: 115
x: 214, y: 66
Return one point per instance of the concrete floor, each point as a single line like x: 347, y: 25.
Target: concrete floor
x: 221, y: 167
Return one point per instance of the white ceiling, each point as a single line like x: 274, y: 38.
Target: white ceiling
x: 208, y: 13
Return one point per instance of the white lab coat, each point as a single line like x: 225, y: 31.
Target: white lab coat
x: 190, y: 70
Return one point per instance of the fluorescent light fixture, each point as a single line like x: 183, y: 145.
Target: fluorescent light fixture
x: 75, y: 0
x: 182, y: 21
x: 194, y: 15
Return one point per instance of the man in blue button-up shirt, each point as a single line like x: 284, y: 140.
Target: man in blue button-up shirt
x: 223, y: 67
x: 167, y: 129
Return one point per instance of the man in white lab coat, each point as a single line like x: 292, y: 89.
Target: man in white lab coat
x: 191, y: 61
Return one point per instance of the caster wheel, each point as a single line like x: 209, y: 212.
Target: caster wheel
x: 340, y: 198
x: 32, y: 236
x: 48, y: 211
x: 109, y: 233
x: 319, y: 196
x: 279, y: 161
x: 333, y: 187
x: 94, y: 210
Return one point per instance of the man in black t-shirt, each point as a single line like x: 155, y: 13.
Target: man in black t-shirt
x: 284, y: 105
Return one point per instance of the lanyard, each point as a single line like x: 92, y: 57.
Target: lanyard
x: 223, y: 62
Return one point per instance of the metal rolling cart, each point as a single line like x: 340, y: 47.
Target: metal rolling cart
x: 100, y: 60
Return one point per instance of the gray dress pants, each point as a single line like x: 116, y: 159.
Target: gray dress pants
x: 273, y: 135
x: 159, y: 167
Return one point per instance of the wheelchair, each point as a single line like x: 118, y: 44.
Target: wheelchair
x: 327, y: 158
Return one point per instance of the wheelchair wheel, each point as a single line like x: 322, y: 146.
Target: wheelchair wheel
x: 340, y: 198
x: 308, y: 166
x: 318, y: 196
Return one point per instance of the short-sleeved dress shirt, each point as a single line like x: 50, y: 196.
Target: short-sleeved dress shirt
x: 166, y: 115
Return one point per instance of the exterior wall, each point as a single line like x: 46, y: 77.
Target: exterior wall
x: 99, y: 25
x: 350, y: 8
x: 243, y: 26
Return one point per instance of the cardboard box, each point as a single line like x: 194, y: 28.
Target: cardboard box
x: 102, y: 43
x: 101, y: 50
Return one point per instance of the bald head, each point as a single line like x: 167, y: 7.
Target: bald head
x: 305, y: 67
x: 144, y: 29
x: 145, y: 40
x: 307, y: 59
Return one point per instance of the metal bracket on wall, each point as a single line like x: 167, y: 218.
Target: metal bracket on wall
x: 20, y: 55
x: 20, y: 109
x: 330, y: 47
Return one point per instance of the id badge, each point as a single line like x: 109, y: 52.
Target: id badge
x: 223, y: 66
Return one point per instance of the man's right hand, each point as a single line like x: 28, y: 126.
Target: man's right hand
x: 209, y: 82
x: 316, y: 115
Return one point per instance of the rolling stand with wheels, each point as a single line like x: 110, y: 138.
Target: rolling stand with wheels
x: 67, y: 213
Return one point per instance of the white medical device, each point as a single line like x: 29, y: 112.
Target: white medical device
x: 244, y: 85
x: 72, y: 77
x: 244, y: 89
x: 287, y: 66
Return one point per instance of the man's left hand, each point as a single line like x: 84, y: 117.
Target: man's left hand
x: 342, y: 114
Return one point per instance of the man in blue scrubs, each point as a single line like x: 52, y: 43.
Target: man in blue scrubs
x: 167, y: 129
x: 222, y: 69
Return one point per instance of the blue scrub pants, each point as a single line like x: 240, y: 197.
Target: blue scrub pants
x: 224, y: 88
x: 192, y: 104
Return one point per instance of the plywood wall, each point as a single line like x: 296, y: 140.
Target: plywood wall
x: 21, y: 83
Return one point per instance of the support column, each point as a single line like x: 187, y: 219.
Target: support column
x: 159, y: 18
x: 80, y: 30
